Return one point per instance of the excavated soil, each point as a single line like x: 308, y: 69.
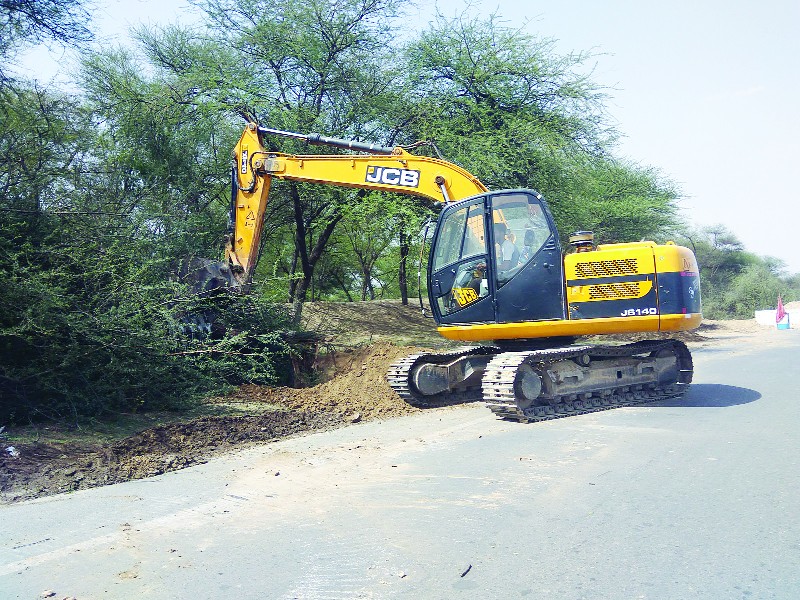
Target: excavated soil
x: 359, y: 390
x: 354, y: 390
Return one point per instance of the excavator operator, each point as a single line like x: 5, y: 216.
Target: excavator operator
x: 506, y: 253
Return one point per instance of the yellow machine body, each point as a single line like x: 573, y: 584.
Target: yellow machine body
x: 616, y: 288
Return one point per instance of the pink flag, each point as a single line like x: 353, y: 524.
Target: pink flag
x: 779, y: 312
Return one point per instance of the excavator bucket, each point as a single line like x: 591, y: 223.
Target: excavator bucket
x: 205, y: 276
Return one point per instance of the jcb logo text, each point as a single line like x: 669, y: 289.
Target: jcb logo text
x: 391, y: 176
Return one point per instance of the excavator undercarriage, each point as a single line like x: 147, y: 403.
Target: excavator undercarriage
x: 546, y: 383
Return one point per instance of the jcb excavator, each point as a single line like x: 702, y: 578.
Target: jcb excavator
x: 496, y: 275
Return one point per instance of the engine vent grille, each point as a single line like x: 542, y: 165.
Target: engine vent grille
x: 607, y: 268
x: 613, y: 291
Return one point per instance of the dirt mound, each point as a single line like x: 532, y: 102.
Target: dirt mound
x: 358, y: 390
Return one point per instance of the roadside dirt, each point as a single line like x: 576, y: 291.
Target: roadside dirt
x: 362, y: 341
x: 357, y: 391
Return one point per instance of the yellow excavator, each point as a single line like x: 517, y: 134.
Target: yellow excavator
x: 497, y: 276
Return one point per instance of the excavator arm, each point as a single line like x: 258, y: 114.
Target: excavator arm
x: 380, y: 168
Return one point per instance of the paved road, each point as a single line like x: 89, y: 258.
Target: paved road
x: 697, y: 499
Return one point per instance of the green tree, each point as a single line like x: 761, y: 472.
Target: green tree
x: 502, y: 103
x: 309, y: 66
x: 720, y: 253
x: 100, y: 197
x: 735, y: 282
x: 618, y: 201
x: 371, y: 230
x: 757, y: 287
x: 166, y: 155
x: 44, y: 143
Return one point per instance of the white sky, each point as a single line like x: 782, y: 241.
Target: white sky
x: 707, y: 91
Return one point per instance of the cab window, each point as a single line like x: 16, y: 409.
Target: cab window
x: 520, y: 230
x: 461, y: 236
x: 460, y: 259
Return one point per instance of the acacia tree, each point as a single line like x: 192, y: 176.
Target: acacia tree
x: 32, y: 148
x: 97, y: 195
x: 502, y: 103
x: 368, y: 237
x: 723, y: 260
x: 166, y: 154
x: 720, y: 254
x: 312, y: 66
x: 757, y: 287
x: 618, y: 201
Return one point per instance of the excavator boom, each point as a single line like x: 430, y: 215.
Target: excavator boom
x: 384, y: 169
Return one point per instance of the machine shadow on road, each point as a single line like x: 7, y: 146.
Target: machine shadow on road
x: 712, y: 395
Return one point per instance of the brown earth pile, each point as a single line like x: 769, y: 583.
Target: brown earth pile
x: 357, y: 391
x: 45, y: 469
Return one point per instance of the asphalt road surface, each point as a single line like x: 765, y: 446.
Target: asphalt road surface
x: 696, y: 498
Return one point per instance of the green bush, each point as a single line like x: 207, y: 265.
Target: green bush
x: 92, y: 329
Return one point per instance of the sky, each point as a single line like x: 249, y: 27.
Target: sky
x: 705, y: 91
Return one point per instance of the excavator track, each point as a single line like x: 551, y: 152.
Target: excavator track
x: 399, y: 377
x: 500, y: 380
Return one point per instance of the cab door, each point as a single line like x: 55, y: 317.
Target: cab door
x: 528, y: 267
x: 458, y: 271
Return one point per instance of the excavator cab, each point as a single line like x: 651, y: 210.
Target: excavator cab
x: 496, y: 258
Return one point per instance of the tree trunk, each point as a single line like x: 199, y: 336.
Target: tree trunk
x: 292, y: 279
x: 367, y: 289
x: 402, y: 278
x: 308, y: 260
x: 343, y: 285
